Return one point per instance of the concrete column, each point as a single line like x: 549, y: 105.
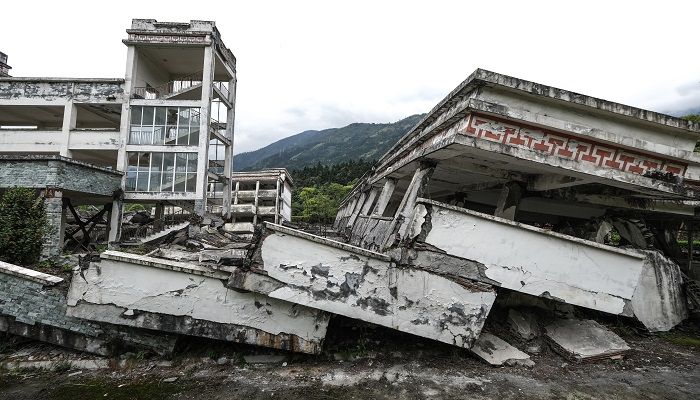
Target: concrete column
x: 385, y: 196
x: 509, y: 201
x: 369, y: 201
x: 277, y: 202
x: 228, y: 161
x: 356, y: 211
x: 115, y: 221
x: 257, y: 189
x: 200, y: 204
x: 404, y: 214
x: 160, y: 214
x: 56, y: 218
x: 70, y: 116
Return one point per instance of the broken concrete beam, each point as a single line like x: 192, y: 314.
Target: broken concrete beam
x: 584, y: 340
x: 168, y: 296
x: 357, y: 283
x: 219, y: 255
x: 542, y: 263
x: 497, y: 352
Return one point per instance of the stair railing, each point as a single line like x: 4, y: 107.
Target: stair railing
x: 169, y: 88
x: 156, y: 226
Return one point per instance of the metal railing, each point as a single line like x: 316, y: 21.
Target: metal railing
x: 169, y: 88
x: 223, y: 88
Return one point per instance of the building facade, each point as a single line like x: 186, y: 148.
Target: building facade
x: 166, y: 127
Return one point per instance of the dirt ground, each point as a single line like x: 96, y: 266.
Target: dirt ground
x: 368, y: 363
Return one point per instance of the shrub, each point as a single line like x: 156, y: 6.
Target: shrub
x: 22, y: 226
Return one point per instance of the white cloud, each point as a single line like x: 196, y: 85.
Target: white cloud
x: 315, y: 65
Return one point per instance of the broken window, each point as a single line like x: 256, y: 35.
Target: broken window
x: 173, y: 126
x: 162, y: 172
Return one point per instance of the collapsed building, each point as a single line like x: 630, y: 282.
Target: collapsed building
x: 507, y: 189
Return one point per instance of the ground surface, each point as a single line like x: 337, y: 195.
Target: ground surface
x: 364, y: 364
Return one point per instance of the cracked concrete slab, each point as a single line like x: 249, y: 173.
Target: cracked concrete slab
x: 127, y: 289
x: 584, y: 340
x: 497, y: 352
x: 626, y: 282
x: 361, y: 284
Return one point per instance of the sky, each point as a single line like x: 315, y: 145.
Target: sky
x: 322, y: 64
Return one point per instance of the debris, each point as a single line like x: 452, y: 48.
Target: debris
x: 497, y: 352
x: 523, y: 324
x: 584, y: 340
x: 170, y: 380
x: 264, y: 358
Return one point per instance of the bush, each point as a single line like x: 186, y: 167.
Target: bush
x: 22, y: 226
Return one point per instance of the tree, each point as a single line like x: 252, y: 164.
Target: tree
x: 692, y: 117
x: 22, y: 226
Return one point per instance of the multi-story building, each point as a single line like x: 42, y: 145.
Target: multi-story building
x: 165, y: 130
x: 259, y: 196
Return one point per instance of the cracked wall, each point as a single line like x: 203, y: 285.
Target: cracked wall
x: 144, y: 292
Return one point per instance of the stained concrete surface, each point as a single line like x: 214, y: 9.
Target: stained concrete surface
x: 386, y: 364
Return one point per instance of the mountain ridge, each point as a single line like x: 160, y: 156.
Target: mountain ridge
x: 355, y: 141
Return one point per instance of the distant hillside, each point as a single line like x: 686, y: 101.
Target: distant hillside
x: 329, y: 146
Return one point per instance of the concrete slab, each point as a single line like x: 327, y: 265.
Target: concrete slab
x: 584, y: 340
x: 357, y: 283
x: 127, y: 289
x: 497, y: 352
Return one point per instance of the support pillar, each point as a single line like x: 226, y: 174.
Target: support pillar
x: 369, y: 202
x: 509, y: 201
x: 356, y: 210
x: 385, y: 196
x: 404, y: 214
x: 56, y: 219
x: 115, y: 221
x: 158, y: 218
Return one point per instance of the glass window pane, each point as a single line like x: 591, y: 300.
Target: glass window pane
x: 180, y: 179
x: 184, y: 116
x: 194, y: 136
x: 168, y: 161
x: 191, y: 183
x: 172, y: 116
x: 155, y: 182
x: 171, y: 135
x: 167, y: 185
x: 181, y: 162
x: 160, y: 116
x: 194, y: 116
x: 135, y: 115
x: 191, y: 162
x: 158, y: 135
x: 147, y: 116
x: 131, y: 180
x: 157, y: 162
x: 182, y: 134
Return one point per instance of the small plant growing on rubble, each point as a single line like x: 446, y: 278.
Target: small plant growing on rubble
x: 22, y: 226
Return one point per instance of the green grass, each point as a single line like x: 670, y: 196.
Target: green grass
x: 682, y: 339
x: 101, y: 389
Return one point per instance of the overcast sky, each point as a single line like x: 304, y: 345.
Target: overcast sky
x: 314, y: 65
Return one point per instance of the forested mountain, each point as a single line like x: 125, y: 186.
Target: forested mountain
x: 329, y: 146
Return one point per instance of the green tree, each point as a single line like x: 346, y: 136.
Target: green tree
x: 22, y: 226
x: 692, y: 117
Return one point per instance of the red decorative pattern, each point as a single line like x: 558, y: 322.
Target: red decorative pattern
x: 569, y: 147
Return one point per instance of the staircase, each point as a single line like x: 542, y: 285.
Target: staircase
x: 170, y: 89
x: 155, y: 230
